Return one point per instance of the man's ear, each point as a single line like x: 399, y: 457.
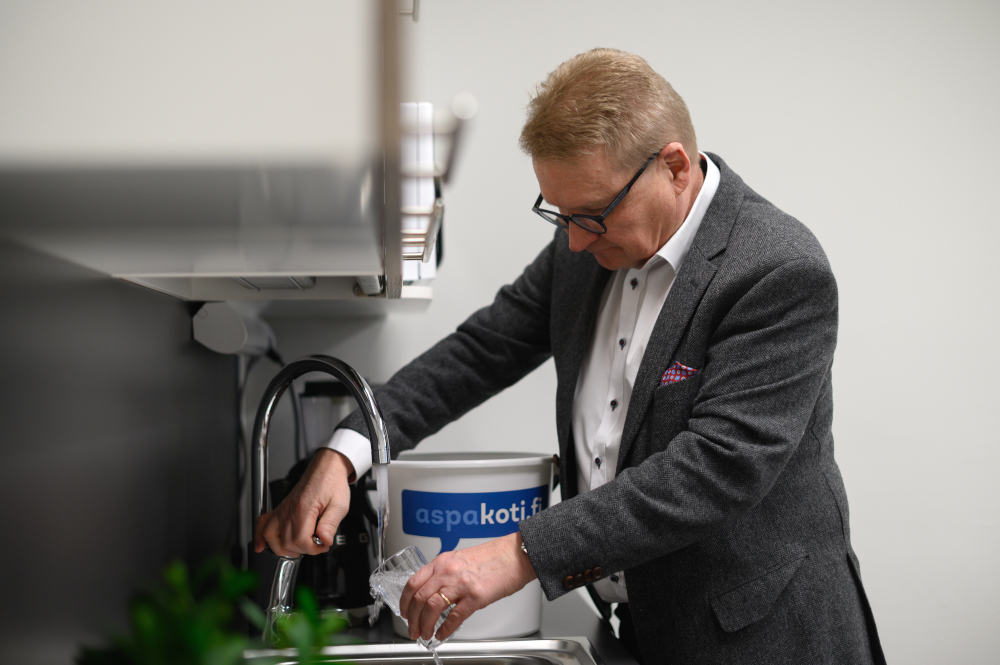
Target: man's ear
x: 676, y: 159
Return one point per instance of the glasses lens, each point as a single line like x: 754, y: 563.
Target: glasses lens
x: 551, y: 217
x: 591, y: 225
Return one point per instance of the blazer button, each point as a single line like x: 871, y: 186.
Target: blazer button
x: 598, y: 572
x: 588, y: 575
x: 569, y: 582
x: 579, y: 580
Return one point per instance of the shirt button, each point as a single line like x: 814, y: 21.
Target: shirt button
x: 634, y: 283
x: 614, y: 404
x: 621, y: 343
x: 597, y: 461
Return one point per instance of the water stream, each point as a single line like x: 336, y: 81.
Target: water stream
x: 381, y: 473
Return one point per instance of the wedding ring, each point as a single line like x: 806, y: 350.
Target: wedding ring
x: 317, y: 541
x: 447, y: 602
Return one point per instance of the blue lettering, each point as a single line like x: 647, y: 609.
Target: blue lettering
x: 452, y: 516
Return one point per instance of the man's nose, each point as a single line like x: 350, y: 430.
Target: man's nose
x: 579, y: 238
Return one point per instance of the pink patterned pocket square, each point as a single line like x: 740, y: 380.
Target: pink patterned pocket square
x: 677, y: 372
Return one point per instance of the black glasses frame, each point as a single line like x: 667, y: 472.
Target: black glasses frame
x: 591, y: 223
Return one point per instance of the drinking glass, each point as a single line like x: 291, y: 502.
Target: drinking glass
x: 388, y: 580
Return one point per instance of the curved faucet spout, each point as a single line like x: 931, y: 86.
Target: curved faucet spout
x: 358, y: 388
x: 284, y: 582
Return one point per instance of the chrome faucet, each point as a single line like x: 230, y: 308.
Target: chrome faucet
x: 284, y: 578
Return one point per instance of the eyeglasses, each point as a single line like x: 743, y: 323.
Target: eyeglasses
x: 592, y: 223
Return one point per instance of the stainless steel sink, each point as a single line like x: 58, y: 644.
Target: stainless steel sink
x: 561, y: 651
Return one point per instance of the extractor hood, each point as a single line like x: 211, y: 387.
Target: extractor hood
x: 212, y: 150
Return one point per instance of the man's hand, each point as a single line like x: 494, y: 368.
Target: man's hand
x: 471, y: 578
x: 315, y: 505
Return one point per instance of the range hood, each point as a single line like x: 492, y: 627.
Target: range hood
x: 212, y: 151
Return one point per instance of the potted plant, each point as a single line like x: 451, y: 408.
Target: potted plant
x: 193, y: 620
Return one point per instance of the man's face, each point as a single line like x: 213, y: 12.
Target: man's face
x: 641, y: 224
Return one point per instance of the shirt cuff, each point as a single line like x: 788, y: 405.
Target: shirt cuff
x: 354, y: 447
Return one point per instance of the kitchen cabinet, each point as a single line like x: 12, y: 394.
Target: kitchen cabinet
x: 211, y: 151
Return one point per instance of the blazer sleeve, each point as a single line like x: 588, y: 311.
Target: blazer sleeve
x: 490, y: 351
x: 767, y: 354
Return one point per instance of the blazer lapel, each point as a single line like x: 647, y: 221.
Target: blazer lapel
x: 686, y: 293
x: 671, y: 324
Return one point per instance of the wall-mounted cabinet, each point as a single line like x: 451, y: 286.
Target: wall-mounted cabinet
x: 212, y: 151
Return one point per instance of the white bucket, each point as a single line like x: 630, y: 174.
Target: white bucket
x: 445, y: 501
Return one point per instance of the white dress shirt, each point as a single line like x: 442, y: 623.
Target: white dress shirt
x: 624, y: 323
x: 629, y: 307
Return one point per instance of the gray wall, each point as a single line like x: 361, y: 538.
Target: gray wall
x: 117, y: 450
x: 875, y: 124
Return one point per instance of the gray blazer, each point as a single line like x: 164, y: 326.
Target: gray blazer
x: 728, y: 512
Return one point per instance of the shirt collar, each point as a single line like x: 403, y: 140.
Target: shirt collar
x: 675, y: 250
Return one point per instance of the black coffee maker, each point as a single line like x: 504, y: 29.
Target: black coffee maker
x: 338, y: 577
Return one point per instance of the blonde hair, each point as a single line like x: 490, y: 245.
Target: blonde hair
x: 609, y: 100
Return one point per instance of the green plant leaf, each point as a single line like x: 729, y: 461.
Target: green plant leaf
x: 188, y: 620
x: 253, y: 613
x: 185, y: 620
x: 307, y: 604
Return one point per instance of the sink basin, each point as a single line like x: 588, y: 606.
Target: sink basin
x: 560, y: 651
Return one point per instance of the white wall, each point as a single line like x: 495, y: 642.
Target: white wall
x: 876, y: 125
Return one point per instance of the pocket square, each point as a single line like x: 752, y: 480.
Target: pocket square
x: 677, y: 372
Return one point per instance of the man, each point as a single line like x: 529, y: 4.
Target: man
x: 693, y: 326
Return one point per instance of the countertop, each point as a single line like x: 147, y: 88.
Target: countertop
x: 567, y: 616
